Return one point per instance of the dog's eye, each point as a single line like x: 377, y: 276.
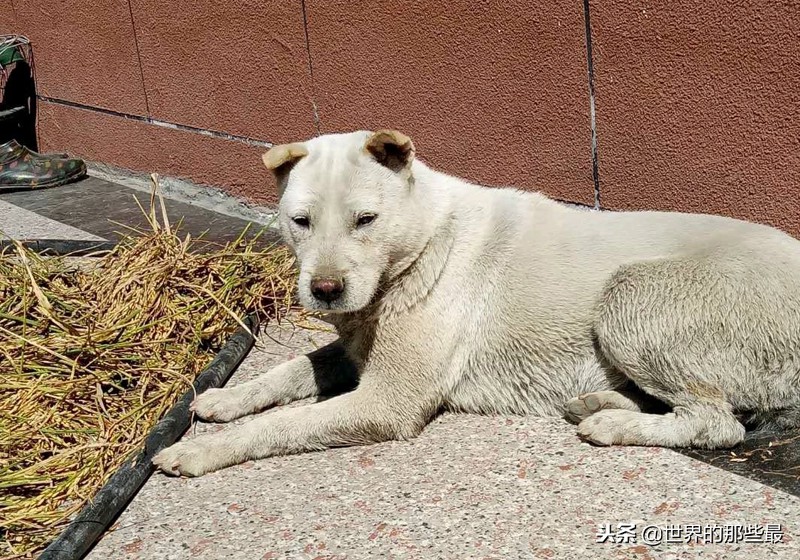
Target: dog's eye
x: 301, y: 221
x: 365, y: 219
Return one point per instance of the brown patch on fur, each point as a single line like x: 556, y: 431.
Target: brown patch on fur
x: 704, y: 391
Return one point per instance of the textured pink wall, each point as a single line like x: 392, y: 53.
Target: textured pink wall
x: 239, y: 67
x: 7, y: 21
x: 494, y: 92
x: 697, y: 103
x: 698, y: 106
x: 84, y: 52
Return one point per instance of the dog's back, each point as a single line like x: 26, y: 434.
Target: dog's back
x: 530, y: 273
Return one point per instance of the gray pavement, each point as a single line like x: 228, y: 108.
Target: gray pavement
x: 468, y: 487
x: 108, y: 210
x: 19, y: 223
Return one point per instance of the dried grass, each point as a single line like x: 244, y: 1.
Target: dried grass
x: 92, y: 356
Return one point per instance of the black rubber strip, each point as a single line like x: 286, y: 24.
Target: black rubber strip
x: 82, y: 533
x: 60, y: 247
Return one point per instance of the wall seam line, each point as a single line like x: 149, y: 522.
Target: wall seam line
x: 314, y: 108
x: 590, y: 67
x: 139, y: 58
x: 156, y: 122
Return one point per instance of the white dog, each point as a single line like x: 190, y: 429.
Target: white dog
x: 646, y: 328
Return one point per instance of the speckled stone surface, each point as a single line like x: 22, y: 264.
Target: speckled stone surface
x: 468, y: 487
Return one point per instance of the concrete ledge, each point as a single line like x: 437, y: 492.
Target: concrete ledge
x: 186, y: 191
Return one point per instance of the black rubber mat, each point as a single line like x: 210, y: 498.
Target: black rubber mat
x: 769, y: 458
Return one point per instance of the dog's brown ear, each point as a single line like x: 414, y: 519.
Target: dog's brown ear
x: 391, y: 149
x: 285, y: 154
x: 281, y: 159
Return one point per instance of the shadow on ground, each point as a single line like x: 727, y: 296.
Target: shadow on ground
x: 770, y: 458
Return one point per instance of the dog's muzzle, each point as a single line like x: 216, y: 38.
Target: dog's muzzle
x: 327, y: 289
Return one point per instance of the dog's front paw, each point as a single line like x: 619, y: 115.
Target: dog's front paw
x: 219, y: 405
x: 187, y: 458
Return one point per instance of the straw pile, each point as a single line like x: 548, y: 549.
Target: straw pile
x: 92, y: 356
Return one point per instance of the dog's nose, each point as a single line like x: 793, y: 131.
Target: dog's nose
x: 327, y: 289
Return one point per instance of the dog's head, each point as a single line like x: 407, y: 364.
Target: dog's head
x: 349, y: 213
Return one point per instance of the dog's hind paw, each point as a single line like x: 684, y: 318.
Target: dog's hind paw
x: 580, y: 408
x: 628, y: 427
x: 605, y: 427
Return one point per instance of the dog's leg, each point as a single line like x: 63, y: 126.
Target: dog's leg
x: 702, y: 425
x: 583, y: 406
x: 322, y: 372
x: 669, y: 328
x: 373, y: 412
